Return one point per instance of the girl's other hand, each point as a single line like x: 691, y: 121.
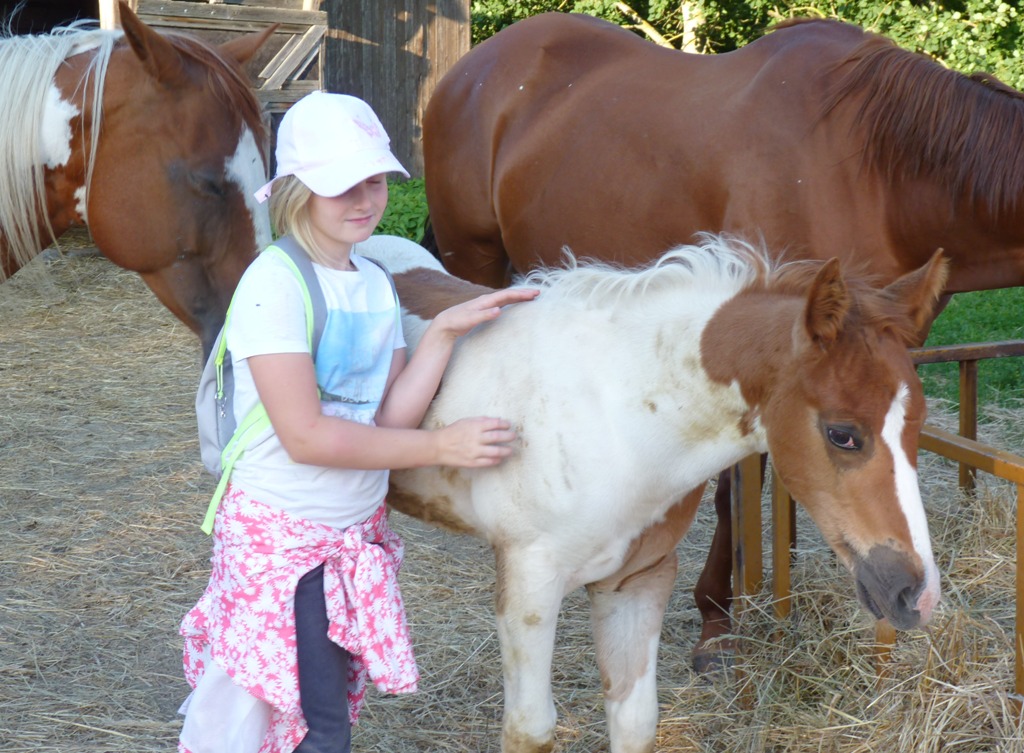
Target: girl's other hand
x: 475, y: 442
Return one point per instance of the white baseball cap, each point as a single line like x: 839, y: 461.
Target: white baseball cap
x: 331, y: 142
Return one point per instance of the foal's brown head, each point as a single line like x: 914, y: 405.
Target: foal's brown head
x: 842, y: 407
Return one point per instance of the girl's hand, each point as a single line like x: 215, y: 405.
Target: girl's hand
x: 412, y: 385
x: 474, y: 442
x: 458, y: 320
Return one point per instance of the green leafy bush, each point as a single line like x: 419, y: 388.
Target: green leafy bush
x: 491, y: 16
x: 406, y: 214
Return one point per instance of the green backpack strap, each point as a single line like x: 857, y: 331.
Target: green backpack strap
x: 256, y: 420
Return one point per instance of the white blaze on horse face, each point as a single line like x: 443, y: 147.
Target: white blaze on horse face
x: 245, y: 168
x: 909, y: 495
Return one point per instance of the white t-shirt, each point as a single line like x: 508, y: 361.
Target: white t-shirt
x: 362, y: 331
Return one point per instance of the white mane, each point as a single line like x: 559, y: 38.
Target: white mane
x: 28, y: 66
x: 718, y: 265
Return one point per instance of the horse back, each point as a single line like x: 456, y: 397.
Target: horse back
x: 564, y: 130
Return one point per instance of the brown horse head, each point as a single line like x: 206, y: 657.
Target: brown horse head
x: 180, y: 152
x: 842, y: 420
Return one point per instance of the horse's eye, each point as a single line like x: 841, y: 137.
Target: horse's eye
x: 844, y: 438
x: 215, y: 188
x: 209, y: 185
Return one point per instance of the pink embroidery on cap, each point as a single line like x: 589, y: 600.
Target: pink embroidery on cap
x: 370, y: 129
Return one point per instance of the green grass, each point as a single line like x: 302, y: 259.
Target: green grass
x: 984, y: 316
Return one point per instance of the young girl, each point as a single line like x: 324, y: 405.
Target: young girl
x: 303, y: 601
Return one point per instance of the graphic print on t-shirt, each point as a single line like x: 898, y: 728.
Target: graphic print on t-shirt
x: 353, y: 363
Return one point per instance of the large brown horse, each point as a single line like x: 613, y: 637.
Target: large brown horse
x: 820, y: 138
x: 155, y: 142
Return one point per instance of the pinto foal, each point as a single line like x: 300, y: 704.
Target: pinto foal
x: 629, y: 389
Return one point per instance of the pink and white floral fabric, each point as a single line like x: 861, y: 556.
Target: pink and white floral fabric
x: 245, y: 620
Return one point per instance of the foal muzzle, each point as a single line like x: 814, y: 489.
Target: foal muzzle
x: 891, y: 585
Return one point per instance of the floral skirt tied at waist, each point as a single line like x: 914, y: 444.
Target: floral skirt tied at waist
x: 240, y: 656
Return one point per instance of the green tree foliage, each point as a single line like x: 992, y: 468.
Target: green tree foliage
x: 966, y: 35
x: 491, y: 16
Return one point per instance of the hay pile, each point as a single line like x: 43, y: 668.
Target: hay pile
x: 101, y: 494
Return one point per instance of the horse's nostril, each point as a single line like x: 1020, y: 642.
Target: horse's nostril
x: 904, y: 613
x: 905, y: 607
x: 907, y: 598
x: 890, y: 586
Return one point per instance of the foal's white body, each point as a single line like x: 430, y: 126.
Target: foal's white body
x: 617, y: 422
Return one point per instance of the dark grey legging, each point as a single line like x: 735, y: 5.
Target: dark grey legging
x: 323, y: 671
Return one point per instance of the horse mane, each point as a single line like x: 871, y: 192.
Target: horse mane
x: 29, y: 65
x: 716, y: 268
x: 924, y: 120
x: 718, y: 265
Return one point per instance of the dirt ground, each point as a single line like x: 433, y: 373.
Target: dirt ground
x: 102, y: 493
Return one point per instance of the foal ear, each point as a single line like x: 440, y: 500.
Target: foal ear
x: 920, y: 290
x: 157, y: 55
x: 241, y: 49
x: 828, y: 300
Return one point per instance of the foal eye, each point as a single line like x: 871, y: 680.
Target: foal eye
x: 844, y: 439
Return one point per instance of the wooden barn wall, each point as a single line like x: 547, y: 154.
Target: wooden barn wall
x: 392, y: 53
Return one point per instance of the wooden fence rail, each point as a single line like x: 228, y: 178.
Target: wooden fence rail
x: 968, y: 356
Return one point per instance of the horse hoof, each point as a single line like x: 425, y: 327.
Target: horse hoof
x: 710, y: 661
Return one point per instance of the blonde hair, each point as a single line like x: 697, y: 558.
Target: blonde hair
x: 289, y: 213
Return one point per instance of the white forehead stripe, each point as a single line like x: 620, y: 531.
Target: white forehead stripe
x: 245, y: 168
x: 909, y: 495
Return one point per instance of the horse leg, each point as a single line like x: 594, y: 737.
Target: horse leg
x: 714, y: 589
x: 713, y: 592
x: 429, y: 240
x: 528, y: 600
x: 627, y: 611
x: 627, y: 623
x: 481, y: 258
